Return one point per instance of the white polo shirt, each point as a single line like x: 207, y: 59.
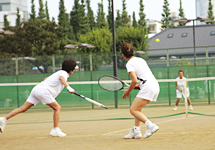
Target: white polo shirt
x: 53, y: 84
x: 181, y: 84
x: 141, y: 68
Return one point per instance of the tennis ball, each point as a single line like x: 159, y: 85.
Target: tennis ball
x: 157, y: 40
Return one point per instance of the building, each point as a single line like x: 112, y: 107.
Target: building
x: 202, y: 9
x: 9, y: 7
x: 178, y: 42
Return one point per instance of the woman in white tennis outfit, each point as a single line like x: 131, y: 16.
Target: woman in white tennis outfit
x: 149, y: 90
x: 46, y: 92
x: 180, y: 88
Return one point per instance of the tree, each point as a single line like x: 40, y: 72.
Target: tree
x: 118, y: 21
x: 33, y: 12
x: 101, y: 21
x: 90, y: 15
x: 181, y: 14
x: 142, y: 21
x: 183, y: 62
x: 101, y: 39
x: 63, y: 21
x: 74, y: 17
x: 137, y: 37
x: 134, y: 22
x: 109, y: 16
x: 18, y: 22
x: 83, y: 21
x: 210, y: 13
x: 47, y: 11
x: 125, y: 18
x: 166, y: 16
x: 41, y: 14
x: 6, y: 23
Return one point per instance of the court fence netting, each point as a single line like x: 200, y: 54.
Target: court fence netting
x: 202, y: 93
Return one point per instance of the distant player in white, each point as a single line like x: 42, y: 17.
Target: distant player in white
x: 180, y: 88
x: 46, y: 92
x: 149, y: 90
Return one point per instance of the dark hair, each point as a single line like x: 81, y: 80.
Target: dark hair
x: 180, y: 71
x: 127, y: 50
x: 68, y: 65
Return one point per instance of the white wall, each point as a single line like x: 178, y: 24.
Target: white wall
x: 12, y: 17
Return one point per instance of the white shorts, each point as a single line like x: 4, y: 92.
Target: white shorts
x: 39, y: 94
x: 179, y: 94
x: 149, y: 90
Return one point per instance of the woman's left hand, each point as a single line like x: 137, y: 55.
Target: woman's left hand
x: 126, y: 94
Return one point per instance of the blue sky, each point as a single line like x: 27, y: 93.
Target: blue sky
x: 153, y: 8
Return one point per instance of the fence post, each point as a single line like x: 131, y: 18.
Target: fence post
x: 208, y: 82
x: 53, y: 62
x: 167, y: 61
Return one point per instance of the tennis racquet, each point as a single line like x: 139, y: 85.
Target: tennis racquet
x: 90, y: 100
x: 112, y: 83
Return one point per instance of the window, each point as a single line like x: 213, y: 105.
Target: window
x: 212, y: 32
x: 184, y: 35
x: 170, y: 35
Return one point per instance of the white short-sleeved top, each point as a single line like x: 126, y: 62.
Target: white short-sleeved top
x: 141, y: 68
x: 53, y: 84
x: 181, y: 84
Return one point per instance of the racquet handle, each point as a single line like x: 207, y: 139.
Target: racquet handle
x: 137, y: 88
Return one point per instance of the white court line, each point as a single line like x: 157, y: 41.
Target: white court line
x: 65, y: 136
x: 110, y: 133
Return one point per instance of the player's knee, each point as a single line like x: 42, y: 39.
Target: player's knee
x: 58, y: 108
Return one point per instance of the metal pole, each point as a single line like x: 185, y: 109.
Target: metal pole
x: 114, y: 54
x: 194, y: 45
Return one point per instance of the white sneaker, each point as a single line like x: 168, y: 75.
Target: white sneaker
x: 191, y: 108
x: 133, y: 134
x: 150, y: 130
x: 57, y: 132
x: 2, y: 124
x: 175, y: 108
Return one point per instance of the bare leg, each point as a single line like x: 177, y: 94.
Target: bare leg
x: 56, y: 117
x: 136, y: 108
x: 177, y: 101
x: 189, y: 101
x: 21, y: 109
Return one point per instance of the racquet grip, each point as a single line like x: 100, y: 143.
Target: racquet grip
x: 137, y: 88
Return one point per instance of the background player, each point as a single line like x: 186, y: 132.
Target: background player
x: 46, y: 92
x: 149, y: 90
x: 179, y: 85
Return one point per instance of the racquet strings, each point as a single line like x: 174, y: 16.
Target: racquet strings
x: 110, y: 83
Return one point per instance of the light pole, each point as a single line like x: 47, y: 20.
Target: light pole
x: 78, y: 46
x: 201, y: 19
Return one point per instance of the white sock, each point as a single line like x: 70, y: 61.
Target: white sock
x: 56, y: 128
x: 136, y: 128
x: 148, y: 123
x: 4, y: 119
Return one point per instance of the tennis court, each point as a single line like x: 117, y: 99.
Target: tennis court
x: 99, y: 128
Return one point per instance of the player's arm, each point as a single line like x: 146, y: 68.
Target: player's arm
x: 187, y: 84
x: 132, y: 85
x: 65, y: 83
x: 177, y: 86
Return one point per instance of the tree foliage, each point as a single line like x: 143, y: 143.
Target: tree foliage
x: 134, y: 22
x: 47, y: 11
x: 210, y: 13
x: 125, y: 18
x: 181, y: 14
x: 142, y: 21
x: 33, y: 12
x: 6, y: 22
x: 74, y: 18
x: 83, y: 20
x: 109, y: 16
x: 90, y: 15
x: 101, y: 21
x: 118, y: 21
x: 18, y: 21
x: 166, y: 20
x: 41, y: 14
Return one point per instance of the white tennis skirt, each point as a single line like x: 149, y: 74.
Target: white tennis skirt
x: 40, y: 94
x: 179, y: 93
x: 149, y: 90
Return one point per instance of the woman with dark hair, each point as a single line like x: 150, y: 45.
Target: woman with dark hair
x: 149, y: 90
x: 46, y: 92
x: 180, y: 88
